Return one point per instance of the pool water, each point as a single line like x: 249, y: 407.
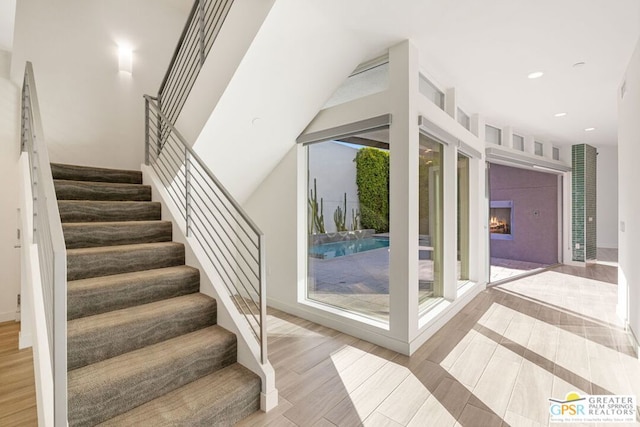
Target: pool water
x: 347, y: 247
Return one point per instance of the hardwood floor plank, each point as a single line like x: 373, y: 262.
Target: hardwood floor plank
x: 404, y: 402
x: 17, y: 384
x: 321, y: 401
x: 25, y: 418
x: 262, y: 418
x: 363, y: 401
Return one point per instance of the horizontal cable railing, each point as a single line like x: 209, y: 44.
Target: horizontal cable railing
x: 199, y: 34
x: 232, y: 242
x: 48, y: 236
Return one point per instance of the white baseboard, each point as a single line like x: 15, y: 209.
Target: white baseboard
x: 575, y: 263
x: 621, y: 312
x: 268, y: 400
x: 8, y: 316
x: 634, y: 339
x: 25, y: 340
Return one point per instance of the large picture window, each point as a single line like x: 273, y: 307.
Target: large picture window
x: 348, y: 224
x: 493, y: 135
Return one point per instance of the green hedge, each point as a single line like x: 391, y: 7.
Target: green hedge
x: 372, y: 178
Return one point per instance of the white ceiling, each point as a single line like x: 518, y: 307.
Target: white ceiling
x: 485, y: 49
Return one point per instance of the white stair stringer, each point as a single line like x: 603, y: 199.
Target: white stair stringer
x: 248, y: 348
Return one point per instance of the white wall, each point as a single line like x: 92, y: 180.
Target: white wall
x: 332, y: 165
x: 607, y: 197
x: 9, y: 153
x: 236, y: 35
x: 273, y: 208
x: 297, y: 59
x: 629, y: 202
x: 92, y: 114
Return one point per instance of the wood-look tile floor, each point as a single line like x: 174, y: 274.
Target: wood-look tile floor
x: 502, y: 268
x: 17, y: 385
x: 496, y: 363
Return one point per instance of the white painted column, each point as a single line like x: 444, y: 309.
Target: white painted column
x: 450, y: 103
x: 478, y: 220
x: 547, y: 150
x: 565, y: 154
x: 403, y: 186
x: 529, y: 144
x: 477, y: 126
x: 507, y: 136
x: 450, y: 222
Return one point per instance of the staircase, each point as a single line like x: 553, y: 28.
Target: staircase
x: 143, y: 344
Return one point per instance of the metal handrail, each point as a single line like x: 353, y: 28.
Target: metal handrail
x: 49, y: 239
x: 200, y: 32
x: 231, y: 240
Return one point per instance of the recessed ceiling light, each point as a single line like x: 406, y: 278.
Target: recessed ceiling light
x: 559, y: 114
x: 589, y: 129
x: 535, y: 75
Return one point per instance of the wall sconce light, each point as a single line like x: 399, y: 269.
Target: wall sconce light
x: 125, y: 59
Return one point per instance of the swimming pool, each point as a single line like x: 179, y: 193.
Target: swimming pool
x: 347, y: 247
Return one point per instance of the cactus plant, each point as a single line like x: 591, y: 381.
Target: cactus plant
x: 340, y: 216
x: 355, y: 219
x: 316, y: 216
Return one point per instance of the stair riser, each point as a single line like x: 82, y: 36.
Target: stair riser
x: 92, y: 235
x: 81, y: 211
x: 221, y: 399
x: 83, y: 173
x: 79, y: 190
x: 103, y: 294
x: 92, y: 340
x: 85, y: 265
x: 140, y: 337
x: 163, y: 374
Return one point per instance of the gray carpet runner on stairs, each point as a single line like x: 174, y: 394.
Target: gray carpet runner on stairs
x: 143, y: 344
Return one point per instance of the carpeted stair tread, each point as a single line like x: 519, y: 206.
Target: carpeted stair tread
x: 107, y: 260
x: 88, y: 173
x: 106, y: 389
x: 94, y: 234
x: 86, y: 190
x: 143, y: 347
x: 104, y: 211
x: 219, y: 399
x: 95, y: 338
x: 88, y: 297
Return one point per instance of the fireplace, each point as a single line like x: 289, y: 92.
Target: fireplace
x: 501, y: 219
